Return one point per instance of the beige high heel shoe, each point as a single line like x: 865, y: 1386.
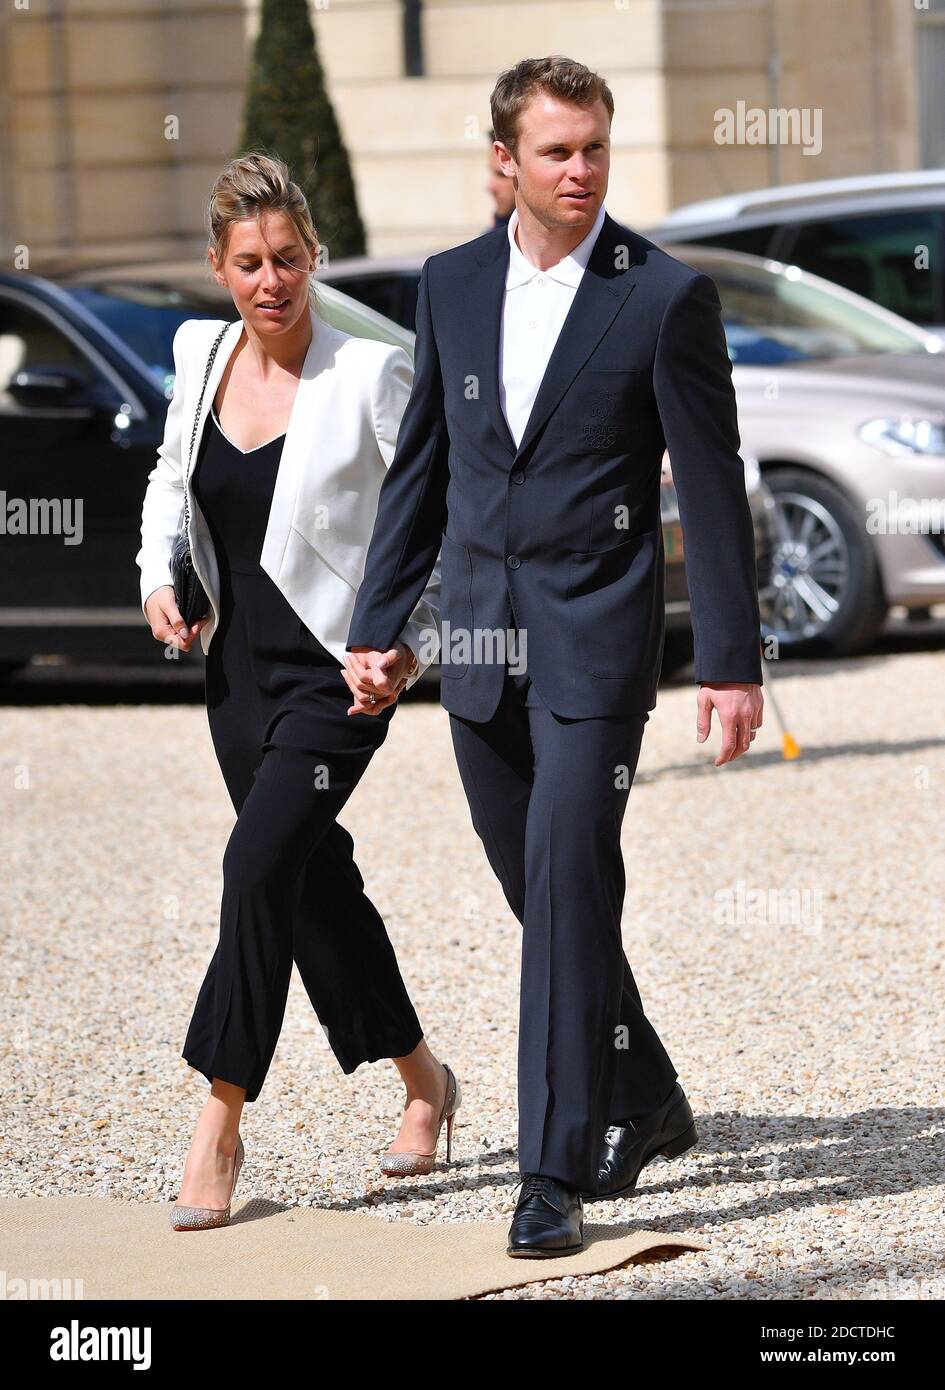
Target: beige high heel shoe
x: 408, y: 1164
x: 205, y: 1218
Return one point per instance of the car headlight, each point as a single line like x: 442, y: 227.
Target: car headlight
x: 902, y: 434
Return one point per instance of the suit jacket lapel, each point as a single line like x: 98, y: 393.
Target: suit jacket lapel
x: 483, y: 291
x: 603, y: 288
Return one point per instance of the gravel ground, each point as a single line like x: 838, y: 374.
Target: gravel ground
x: 783, y: 920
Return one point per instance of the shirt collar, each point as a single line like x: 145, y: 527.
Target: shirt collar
x: 567, y: 271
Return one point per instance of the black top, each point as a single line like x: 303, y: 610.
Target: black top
x: 234, y: 490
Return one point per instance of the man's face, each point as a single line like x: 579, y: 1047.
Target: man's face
x: 562, y: 163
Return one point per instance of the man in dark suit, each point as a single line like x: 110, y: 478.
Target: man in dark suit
x: 556, y: 359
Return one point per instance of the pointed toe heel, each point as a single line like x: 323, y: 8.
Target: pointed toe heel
x: 207, y: 1218
x: 408, y: 1164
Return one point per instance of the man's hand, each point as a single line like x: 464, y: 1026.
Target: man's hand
x: 368, y: 672
x: 741, y: 712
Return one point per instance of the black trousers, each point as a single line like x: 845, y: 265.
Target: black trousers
x: 547, y: 797
x: 291, y: 757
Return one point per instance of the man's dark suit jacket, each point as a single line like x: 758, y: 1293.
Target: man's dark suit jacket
x: 563, y: 533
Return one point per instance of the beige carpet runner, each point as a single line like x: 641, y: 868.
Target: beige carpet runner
x: 270, y: 1251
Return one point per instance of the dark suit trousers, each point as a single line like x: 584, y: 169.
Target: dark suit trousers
x: 547, y: 796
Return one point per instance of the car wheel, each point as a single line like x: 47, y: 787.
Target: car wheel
x: 821, y: 589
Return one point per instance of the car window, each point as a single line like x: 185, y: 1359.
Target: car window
x: 754, y: 241
x: 29, y: 339
x: 378, y: 292
x: 382, y: 293
x: 875, y: 255
x: 146, y: 317
x: 773, y: 317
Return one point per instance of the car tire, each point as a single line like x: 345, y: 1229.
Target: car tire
x: 837, y: 529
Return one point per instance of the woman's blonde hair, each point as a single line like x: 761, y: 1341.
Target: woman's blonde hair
x: 251, y: 185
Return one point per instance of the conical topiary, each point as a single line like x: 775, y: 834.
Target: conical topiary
x: 288, y: 114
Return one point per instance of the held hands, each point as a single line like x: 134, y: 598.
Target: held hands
x: 368, y: 672
x: 740, y: 710
x: 167, y: 625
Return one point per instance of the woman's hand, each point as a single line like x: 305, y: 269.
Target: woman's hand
x: 167, y: 625
x: 368, y: 672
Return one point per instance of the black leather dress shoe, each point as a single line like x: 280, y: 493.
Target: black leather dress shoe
x: 664, y: 1133
x: 548, y: 1220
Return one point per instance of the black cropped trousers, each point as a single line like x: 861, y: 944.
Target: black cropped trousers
x: 290, y: 757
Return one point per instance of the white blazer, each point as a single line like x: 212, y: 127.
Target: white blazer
x: 340, y: 441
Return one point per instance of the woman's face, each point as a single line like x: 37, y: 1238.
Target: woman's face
x: 266, y: 270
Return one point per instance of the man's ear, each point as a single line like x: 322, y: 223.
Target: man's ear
x: 504, y: 157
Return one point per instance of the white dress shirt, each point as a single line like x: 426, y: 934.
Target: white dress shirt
x: 534, y: 307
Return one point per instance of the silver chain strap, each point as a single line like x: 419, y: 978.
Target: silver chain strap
x: 190, y: 456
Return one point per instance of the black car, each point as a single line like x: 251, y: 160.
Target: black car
x: 86, y: 373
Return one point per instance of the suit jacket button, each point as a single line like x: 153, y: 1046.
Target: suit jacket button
x: 513, y: 562
x: 518, y: 476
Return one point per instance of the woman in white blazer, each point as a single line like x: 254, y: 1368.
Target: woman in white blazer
x: 293, y: 429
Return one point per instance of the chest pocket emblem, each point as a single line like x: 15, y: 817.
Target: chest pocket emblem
x: 599, y: 430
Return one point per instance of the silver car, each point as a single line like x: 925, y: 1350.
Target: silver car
x: 842, y: 404
x: 866, y: 233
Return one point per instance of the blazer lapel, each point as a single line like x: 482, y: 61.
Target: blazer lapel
x: 300, y: 451
x: 297, y: 445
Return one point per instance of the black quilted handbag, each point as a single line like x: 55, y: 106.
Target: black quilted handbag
x: 189, y: 594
